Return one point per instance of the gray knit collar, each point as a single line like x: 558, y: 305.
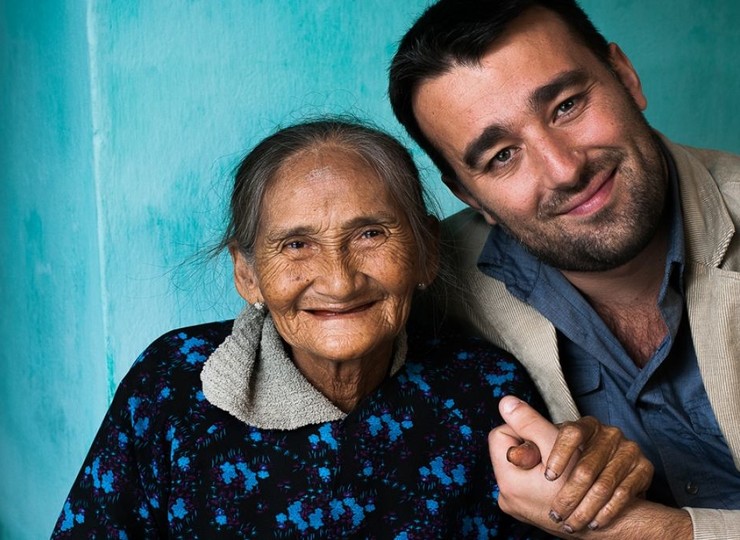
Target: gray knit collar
x: 251, y: 377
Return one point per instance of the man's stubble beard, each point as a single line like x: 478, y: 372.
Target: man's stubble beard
x: 613, y: 236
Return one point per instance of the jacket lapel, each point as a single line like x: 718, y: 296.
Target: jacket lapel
x: 503, y: 319
x: 532, y: 339
x: 713, y: 303
x: 712, y: 294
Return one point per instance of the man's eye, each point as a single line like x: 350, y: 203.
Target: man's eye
x: 295, y: 244
x: 566, y: 105
x: 501, y: 160
x: 503, y: 156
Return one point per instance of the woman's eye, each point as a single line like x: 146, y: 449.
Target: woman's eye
x: 373, y: 237
x: 372, y: 233
x: 295, y: 244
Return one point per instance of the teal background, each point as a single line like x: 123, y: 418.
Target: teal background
x: 119, y: 123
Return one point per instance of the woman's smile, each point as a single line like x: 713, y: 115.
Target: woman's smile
x: 332, y: 313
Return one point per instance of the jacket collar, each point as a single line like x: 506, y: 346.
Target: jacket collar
x: 708, y: 234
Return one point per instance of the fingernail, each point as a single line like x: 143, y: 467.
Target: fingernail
x: 593, y: 525
x: 509, y: 403
x: 555, y: 516
x: 508, y: 453
x: 550, y: 474
x: 567, y: 528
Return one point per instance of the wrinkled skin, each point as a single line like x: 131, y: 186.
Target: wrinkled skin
x: 591, y: 472
x: 336, y: 263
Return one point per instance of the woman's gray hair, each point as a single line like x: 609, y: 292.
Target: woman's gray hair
x: 384, y: 154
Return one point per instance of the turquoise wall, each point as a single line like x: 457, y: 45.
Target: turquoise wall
x: 52, y: 352
x: 686, y: 54
x: 119, y: 123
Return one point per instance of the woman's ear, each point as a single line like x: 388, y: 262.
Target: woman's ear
x: 245, y: 278
x: 431, y: 268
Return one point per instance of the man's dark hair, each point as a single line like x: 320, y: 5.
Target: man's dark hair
x: 461, y: 32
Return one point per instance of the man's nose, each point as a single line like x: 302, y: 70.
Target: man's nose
x: 560, y: 159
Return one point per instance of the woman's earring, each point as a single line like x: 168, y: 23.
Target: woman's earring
x: 259, y: 306
x: 421, y: 286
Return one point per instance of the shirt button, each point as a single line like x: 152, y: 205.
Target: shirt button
x: 692, y: 488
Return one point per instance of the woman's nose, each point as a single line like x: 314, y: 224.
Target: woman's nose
x: 338, y: 276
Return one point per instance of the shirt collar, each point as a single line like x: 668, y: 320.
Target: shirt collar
x: 676, y: 254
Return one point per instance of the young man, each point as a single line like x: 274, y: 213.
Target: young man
x: 598, y: 252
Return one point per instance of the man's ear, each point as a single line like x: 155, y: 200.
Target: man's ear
x: 459, y: 191
x: 245, y: 278
x: 627, y: 74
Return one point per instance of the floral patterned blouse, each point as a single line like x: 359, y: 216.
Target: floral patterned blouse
x: 410, y: 462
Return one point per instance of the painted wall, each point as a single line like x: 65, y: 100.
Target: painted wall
x: 52, y: 357
x: 686, y: 55
x: 119, y: 124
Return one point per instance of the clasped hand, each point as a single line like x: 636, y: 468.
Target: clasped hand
x: 568, y: 477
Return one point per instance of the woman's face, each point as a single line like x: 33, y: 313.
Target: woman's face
x: 335, y: 260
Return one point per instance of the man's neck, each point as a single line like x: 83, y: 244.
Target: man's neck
x: 626, y: 298
x: 632, y: 283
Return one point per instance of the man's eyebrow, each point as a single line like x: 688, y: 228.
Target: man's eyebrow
x: 540, y: 97
x: 490, y: 136
x: 545, y: 94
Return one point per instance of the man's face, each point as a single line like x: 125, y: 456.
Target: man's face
x: 546, y: 141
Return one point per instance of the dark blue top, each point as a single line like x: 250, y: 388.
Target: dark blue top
x: 410, y: 462
x: 663, y: 406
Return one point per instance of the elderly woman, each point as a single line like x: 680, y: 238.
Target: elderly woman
x: 317, y: 412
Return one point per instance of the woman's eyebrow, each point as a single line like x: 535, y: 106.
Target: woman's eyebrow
x: 280, y: 233
x: 370, y: 219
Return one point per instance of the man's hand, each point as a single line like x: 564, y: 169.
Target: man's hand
x: 588, y: 488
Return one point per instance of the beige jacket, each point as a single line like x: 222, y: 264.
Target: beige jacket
x: 710, y: 196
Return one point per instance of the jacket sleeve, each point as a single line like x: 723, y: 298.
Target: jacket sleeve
x: 710, y: 524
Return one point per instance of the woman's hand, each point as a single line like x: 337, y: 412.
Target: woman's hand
x: 593, y: 473
x: 610, y: 472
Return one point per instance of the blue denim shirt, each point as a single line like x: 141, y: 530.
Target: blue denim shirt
x: 663, y: 406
